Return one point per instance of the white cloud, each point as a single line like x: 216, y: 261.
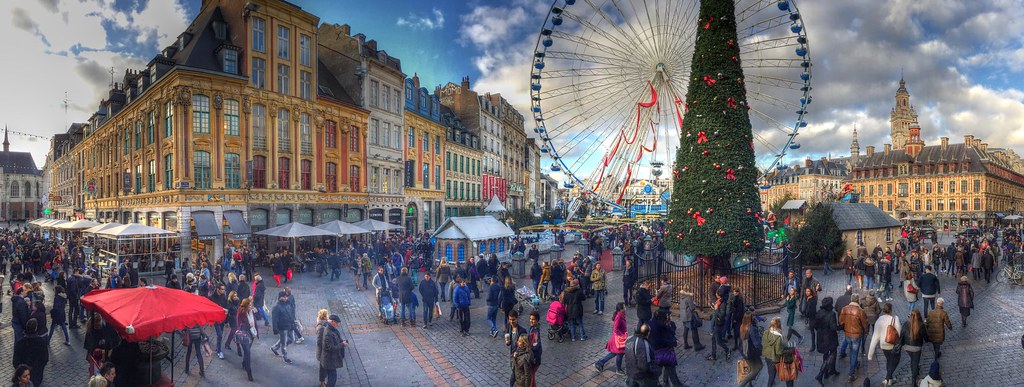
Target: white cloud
x: 435, y: 21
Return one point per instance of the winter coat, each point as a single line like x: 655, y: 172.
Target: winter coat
x: 619, y: 333
x: 937, y: 319
x: 573, y: 300
x: 929, y: 284
x: 545, y: 274
x: 20, y: 312
x: 428, y: 292
x: 911, y: 297
x: 244, y: 290
x: 59, y: 314
x: 790, y: 311
x: 460, y: 296
x: 536, y: 272
x: 826, y: 327
x: 638, y: 358
x: 258, y: 295
x: 662, y: 335
x: 331, y: 349
x: 33, y: 351
x: 643, y: 305
x: 444, y: 273
x: 810, y: 307
x: 871, y: 309
x: 405, y: 289
x: 687, y: 307
x: 494, y: 295
x: 964, y: 295
x: 597, y: 279
x: 771, y: 345
x: 853, y: 320
x: 283, y: 318
x: 522, y: 366
x: 507, y: 299
x: 881, y: 330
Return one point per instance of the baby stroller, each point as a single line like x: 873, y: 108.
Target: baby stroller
x: 556, y: 321
x: 386, y: 308
x: 526, y: 297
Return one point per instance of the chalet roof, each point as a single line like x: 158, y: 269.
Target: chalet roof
x: 861, y: 216
x: 18, y: 163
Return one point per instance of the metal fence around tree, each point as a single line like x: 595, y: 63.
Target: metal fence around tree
x: 760, y: 276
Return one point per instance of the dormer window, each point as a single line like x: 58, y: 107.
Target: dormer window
x: 229, y: 60
x: 220, y: 30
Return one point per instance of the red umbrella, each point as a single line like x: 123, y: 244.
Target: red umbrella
x: 141, y: 313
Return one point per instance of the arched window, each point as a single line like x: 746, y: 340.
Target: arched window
x: 492, y: 248
x: 15, y: 189
x: 462, y: 252
x: 448, y: 251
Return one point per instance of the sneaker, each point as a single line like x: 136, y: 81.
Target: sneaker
x: 851, y: 378
x: 596, y: 312
x: 598, y: 367
x: 287, y: 360
x: 68, y: 343
x: 600, y: 313
x: 573, y: 340
x: 585, y: 339
x: 274, y: 350
x: 300, y: 340
x: 220, y: 355
x: 620, y: 372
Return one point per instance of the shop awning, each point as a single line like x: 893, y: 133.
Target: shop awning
x: 239, y: 228
x: 206, y: 227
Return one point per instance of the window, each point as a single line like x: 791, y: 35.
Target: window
x: 284, y: 131
x: 952, y: 189
x: 448, y: 189
x: 860, y: 237
x: 385, y: 183
x: 259, y: 127
x: 283, y: 82
x: 902, y: 189
x: 928, y: 205
x: 127, y: 141
x: 259, y: 27
x: 169, y: 119
x: 888, y: 234
x: 304, y: 50
x: 917, y: 205
x: 447, y: 161
x: 200, y: 114
x: 387, y: 134
x: 940, y: 204
x: 426, y: 175
x: 230, y: 61
x: 259, y: 172
x: 889, y: 205
x: 964, y: 205
x: 977, y: 186
x: 138, y: 135
x: 331, y: 177
x: 305, y: 134
x: 374, y: 131
x: 374, y: 180
x: 168, y: 171
x: 952, y: 204
x: 387, y: 100
x: 305, y: 82
x: 354, y: 179
x: 354, y: 144
x: 306, y: 174
x: 871, y: 190
x: 138, y: 178
x: 231, y: 118
x: 151, y: 177
x: 284, y: 173
x: 232, y: 171
x: 282, y: 42
x: 977, y: 204
x: 426, y: 143
x: 396, y: 97
x: 928, y: 187
x: 963, y: 186
x: 412, y: 138
x: 330, y: 134
x: 917, y: 188
x: 939, y: 187
x: 374, y: 93
x: 259, y: 73
x: 437, y: 145
x: 437, y: 177
x: 201, y: 169
x: 150, y: 128
x: 15, y: 189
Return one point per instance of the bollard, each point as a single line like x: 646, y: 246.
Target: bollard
x: 519, y: 264
x: 617, y: 259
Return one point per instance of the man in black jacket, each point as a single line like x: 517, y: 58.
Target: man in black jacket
x: 628, y: 280
x: 74, y: 295
x: 284, y: 318
x: 573, y: 301
x: 405, y: 288
x: 428, y: 294
x: 218, y: 297
x: 19, y: 314
x: 639, y: 360
x: 33, y: 350
x: 644, y: 300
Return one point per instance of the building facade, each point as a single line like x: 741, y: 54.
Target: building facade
x: 813, y: 181
x: 948, y: 186
x: 20, y: 185
x: 463, y: 162
x: 377, y: 83
x: 230, y: 128
x: 424, y: 148
x: 67, y: 190
x: 513, y: 153
x: 481, y: 117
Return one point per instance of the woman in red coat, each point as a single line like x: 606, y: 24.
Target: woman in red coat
x: 616, y: 345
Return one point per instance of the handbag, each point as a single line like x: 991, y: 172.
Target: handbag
x: 742, y: 370
x: 437, y: 310
x: 892, y: 336
x: 787, y: 371
x: 911, y: 288
x: 620, y: 342
x: 654, y: 301
x: 696, y: 321
x: 665, y: 357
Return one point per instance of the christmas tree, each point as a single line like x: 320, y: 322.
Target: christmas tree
x: 715, y: 206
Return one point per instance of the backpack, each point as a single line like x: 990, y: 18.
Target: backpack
x: 752, y: 346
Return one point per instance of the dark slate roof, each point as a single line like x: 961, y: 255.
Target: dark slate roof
x: 831, y: 167
x: 931, y: 154
x: 18, y: 163
x: 861, y: 216
x: 201, y: 50
x: 334, y: 90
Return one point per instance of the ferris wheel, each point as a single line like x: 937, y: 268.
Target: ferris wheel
x: 608, y: 84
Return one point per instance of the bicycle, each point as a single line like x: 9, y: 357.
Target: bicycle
x: 1014, y: 273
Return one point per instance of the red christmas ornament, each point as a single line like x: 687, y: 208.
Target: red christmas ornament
x: 721, y: 232
x: 705, y: 152
x: 711, y: 210
x: 746, y: 244
x: 718, y: 166
x: 700, y: 219
x: 686, y: 107
x: 749, y: 211
x: 734, y: 58
x: 730, y: 174
x: 702, y: 137
x: 708, y: 24
x: 709, y: 80
x: 686, y: 169
x: 731, y: 102
x: 680, y: 235
x: 731, y: 43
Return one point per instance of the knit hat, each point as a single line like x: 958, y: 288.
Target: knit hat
x: 963, y: 279
x: 282, y: 294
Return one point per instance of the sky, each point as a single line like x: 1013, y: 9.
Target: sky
x: 963, y: 61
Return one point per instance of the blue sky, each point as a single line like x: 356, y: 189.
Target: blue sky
x: 963, y: 62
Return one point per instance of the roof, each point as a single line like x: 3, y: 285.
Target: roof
x: 474, y: 228
x: 329, y: 87
x: 861, y: 216
x: 794, y: 204
x: 18, y: 163
x: 495, y: 206
x: 930, y: 154
x: 827, y: 167
x: 200, y: 51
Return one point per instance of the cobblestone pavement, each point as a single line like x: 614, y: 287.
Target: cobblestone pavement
x: 987, y: 352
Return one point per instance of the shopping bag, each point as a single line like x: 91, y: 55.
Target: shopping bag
x: 437, y: 310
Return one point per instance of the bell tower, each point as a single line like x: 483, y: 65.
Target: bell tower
x: 902, y: 117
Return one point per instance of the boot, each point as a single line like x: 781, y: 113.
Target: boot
x: 249, y: 374
x: 412, y: 323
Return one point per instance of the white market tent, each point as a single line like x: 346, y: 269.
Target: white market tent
x: 295, y: 230
x: 105, y: 226
x: 459, y: 237
x: 139, y: 244
x: 495, y: 206
x: 131, y: 230
x: 52, y: 223
x: 376, y: 225
x: 80, y: 224
x: 342, y: 228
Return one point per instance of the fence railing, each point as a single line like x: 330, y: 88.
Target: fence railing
x: 760, y: 276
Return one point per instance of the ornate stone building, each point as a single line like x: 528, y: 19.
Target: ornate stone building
x: 424, y: 146
x: 20, y: 182
x: 813, y: 181
x: 463, y: 161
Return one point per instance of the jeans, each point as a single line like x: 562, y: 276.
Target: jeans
x: 195, y: 345
x: 74, y: 310
x: 263, y: 312
x: 870, y: 281
x: 245, y: 341
x: 366, y: 277
x: 63, y: 327
x: 492, y: 316
x: 282, y: 342
x: 772, y: 372
x: 854, y: 352
x: 627, y: 294
x: 542, y: 290
x: 892, y: 359
x: 412, y: 312
x: 718, y: 340
x: 599, y: 296
x: 928, y: 301
x: 330, y: 376
x: 913, y: 304
x: 687, y: 329
x: 828, y: 268
x: 669, y: 377
x: 937, y: 349
x: 464, y: 319
x: 428, y: 313
x: 219, y: 328
x: 444, y: 293
x: 19, y: 331
x: 573, y: 324
x: 755, y: 369
x: 608, y: 356
x: 886, y: 289
x: 915, y: 365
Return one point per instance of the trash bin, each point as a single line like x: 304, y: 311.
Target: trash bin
x: 519, y: 264
x: 617, y: 258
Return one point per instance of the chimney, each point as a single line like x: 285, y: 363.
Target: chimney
x: 871, y: 150
x: 984, y: 147
x: 945, y: 142
x: 808, y: 163
x: 416, y: 81
x: 968, y: 140
x: 372, y: 44
x: 465, y: 82
x: 346, y: 29
x: 977, y: 143
x: 888, y: 147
